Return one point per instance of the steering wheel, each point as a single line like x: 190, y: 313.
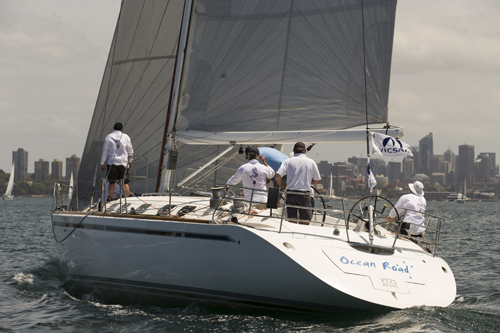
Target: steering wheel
x: 381, y: 209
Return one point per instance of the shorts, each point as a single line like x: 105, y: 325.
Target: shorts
x: 299, y: 200
x: 115, y: 172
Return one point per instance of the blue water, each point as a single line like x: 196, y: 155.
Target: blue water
x: 33, y: 296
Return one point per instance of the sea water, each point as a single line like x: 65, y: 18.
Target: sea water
x: 33, y: 296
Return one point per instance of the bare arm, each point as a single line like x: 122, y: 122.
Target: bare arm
x: 315, y: 182
x: 279, y: 180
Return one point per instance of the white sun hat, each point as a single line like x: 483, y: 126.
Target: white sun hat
x: 417, y: 188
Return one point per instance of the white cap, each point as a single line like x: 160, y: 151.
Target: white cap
x: 417, y: 188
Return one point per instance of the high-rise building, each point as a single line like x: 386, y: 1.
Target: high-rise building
x: 72, y: 165
x: 466, y: 163
x: 57, y: 169
x: 20, y: 158
x: 449, y: 156
x: 436, y: 164
x: 42, y: 170
x: 378, y: 166
x: 483, y: 169
x: 425, y: 148
x: 325, y: 169
x: 393, y: 170
x: 408, y: 167
x: 493, y: 162
x: 360, y: 163
x: 417, y: 161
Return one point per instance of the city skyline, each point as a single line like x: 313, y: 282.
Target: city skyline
x: 43, y: 169
x: 444, y: 79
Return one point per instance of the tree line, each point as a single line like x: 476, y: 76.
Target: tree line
x: 23, y: 188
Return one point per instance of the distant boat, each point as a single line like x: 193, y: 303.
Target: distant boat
x: 455, y: 196
x: 464, y: 196
x: 8, y: 193
x: 330, y: 187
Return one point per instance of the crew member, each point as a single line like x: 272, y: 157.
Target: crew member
x: 117, y: 153
x: 301, y: 172
x: 254, y: 176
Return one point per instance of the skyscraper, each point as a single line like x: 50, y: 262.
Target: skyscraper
x: 449, y: 156
x: 425, y: 148
x: 393, y: 170
x: 57, y: 169
x: 72, y: 165
x: 493, y: 162
x: 408, y: 167
x: 485, y: 166
x: 466, y: 163
x: 41, y: 169
x: 20, y: 158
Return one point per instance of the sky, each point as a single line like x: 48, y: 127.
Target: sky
x: 445, y: 76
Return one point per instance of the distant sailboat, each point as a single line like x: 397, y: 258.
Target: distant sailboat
x: 70, y: 192
x: 330, y: 187
x: 464, y: 196
x: 8, y: 193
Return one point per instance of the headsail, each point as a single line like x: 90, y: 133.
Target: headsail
x: 135, y: 89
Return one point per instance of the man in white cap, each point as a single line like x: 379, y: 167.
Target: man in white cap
x: 414, y: 203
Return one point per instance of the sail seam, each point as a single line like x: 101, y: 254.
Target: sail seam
x: 143, y: 59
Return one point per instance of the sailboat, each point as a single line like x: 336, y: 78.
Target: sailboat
x: 8, y: 192
x: 330, y: 187
x: 70, y: 190
x: 464, y: 198
x: 194, y: 83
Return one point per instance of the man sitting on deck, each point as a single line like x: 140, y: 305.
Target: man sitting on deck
x: 412, y: 205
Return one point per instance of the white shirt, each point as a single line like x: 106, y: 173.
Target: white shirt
x: 415, y: 203
x: 253, y: 175
x: 300, y: 171
x: 117, y: 149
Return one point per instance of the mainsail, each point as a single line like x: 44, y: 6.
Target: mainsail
x: 248, y: 65
x: 261, y: 65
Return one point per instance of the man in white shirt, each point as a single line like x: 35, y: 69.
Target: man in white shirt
x: 301, y: 172
x: 117, y: 151
x: 416, y: 204
x: 253, y: 175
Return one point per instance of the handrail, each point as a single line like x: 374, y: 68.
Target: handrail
x: 426, y: 234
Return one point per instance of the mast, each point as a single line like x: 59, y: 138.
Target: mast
x: 169, y: 144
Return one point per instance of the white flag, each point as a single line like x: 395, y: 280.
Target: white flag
x: 371, y: 178
x: 388, y: 146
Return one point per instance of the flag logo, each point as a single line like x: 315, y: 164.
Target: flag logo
x: 388, y: 146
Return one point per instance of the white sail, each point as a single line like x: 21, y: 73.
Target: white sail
x: 70, y: 191
x: 258, y: 71
x: 8, y: 192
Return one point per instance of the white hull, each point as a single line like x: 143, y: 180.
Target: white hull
x: 8, y: 197
x: 301, y: 268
